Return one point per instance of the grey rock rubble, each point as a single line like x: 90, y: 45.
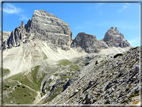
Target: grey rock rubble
x: 111, y: 81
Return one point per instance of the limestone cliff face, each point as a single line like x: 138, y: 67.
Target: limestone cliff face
x: 16, y: 36
x: 114, y: 38
x: 5, y: 37
x: 48, y: 27
x: 88, y: 42
x: 43, y: 26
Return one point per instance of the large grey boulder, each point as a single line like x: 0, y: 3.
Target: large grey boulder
x: 113, y: 38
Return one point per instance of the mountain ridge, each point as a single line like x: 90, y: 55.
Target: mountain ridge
x: 47, y: 27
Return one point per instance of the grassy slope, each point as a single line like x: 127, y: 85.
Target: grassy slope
x: 22, y: 94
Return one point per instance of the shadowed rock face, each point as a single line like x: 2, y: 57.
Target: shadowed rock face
x: 5, y: 37
x: 114, y: 38
x: 43, y: 26
x: 88, y: 42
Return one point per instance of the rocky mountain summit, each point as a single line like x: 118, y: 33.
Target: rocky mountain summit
x: 88, y: 42
x: 114, y: 38
x: 43, y: 26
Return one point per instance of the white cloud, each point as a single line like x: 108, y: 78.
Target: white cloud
x: 120, y: 10
x: 127, y: 3
x: 24, y: 18
x: 11, y: 9
x: 124, y: 7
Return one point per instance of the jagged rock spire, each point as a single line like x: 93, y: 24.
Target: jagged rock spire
x: 22, y: 25
x: 114, y: 38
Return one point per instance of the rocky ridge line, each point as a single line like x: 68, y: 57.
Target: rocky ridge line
x: 47, y: 27
x: 43, y: 26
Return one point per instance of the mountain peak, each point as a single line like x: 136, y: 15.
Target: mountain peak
x: 114, y: 38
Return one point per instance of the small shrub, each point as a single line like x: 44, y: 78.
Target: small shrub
x: 96, y: 62
x: 18, y: 85
x: 23, y: 86
x: 50, y: 80
x: 136, y: 93
x: 56, y: 74
x: 115, y: 56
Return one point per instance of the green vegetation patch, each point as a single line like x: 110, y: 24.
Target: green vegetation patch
x: 30, y: 79
x: 49, y: 81
x: 54, y: 94
x: 5, y: 71
x: 134, y: 48
x: 136, y: 93
x: 64, y: 77
x: 48, y: 88
x: 34, y: 77
x: 56, y: 74
x: 64, y: 62
x: 20, y: 95
x: 74, y: 66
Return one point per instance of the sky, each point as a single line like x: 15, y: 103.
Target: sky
x: 91, y: 18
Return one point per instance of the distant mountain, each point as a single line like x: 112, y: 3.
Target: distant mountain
x: 114, y: 38
x: 89, y: 43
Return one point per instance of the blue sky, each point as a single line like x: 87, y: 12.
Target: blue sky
x: 91, y: 18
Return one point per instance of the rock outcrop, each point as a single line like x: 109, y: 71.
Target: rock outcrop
x: 17, y: 36
x: 43, y: 26
x: 5, y: 37
x: 114, y: 38
x: 114, y: 80
x: 88, y: 43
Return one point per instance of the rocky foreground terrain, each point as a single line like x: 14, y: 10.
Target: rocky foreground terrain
x: 42, y: 64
